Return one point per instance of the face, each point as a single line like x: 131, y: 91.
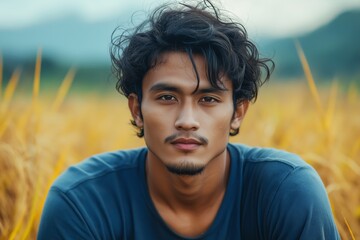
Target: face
x: 183, y: 129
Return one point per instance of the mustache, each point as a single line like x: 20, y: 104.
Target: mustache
x: 201, y: 139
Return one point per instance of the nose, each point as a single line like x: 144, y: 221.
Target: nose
x: 186, y: 119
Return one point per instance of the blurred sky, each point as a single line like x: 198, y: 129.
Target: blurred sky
x: 273, y: 18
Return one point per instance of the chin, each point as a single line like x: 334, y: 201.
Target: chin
x: 185, y: 169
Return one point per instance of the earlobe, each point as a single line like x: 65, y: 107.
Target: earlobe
x: 134, y: 106
x: 239, y: 114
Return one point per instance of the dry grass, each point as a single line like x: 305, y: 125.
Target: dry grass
x: 40, y: 137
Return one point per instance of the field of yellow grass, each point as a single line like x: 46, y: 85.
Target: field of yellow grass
x: 42, y: 135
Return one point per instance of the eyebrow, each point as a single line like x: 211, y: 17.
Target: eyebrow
x: 171, y: 88
x: 164, y: 87
x: 211, y: 90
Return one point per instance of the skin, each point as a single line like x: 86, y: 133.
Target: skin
x: 184, y: 129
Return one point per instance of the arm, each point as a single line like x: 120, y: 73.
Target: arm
x: 300, y: 208
x: 61, y: 219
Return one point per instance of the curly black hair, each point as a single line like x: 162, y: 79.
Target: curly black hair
x: 195, y: 29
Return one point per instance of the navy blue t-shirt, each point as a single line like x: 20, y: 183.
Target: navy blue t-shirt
x: 271, y: 194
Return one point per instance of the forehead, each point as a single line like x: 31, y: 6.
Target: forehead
x: 176, y: 68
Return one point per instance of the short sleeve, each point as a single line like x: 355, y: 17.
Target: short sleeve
x: 300, y: 208
x: 61, y: 220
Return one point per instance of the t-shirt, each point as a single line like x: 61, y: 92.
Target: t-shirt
x: 271, y: 194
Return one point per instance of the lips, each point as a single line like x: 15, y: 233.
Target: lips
x: 186, y: 144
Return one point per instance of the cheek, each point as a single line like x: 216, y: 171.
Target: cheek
x: 218, y: 123
x: 156, y: 122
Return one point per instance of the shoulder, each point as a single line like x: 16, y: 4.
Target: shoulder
x: 267, y: 164
x: 99, y: 166
x: 96, y: 189
x: 285, y: 192
x: 261, y: 155
x: 272, y: 171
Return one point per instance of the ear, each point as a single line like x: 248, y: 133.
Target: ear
x: 134, y: 106
x: 239, y: 114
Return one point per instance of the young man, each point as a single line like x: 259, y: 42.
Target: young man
x: 189, y: 74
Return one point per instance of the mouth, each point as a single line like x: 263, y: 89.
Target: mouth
x: 186, y: 144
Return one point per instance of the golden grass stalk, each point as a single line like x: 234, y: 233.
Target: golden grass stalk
x: 309, y: 78
x: 64, y: 89
x: 4, y: 125
x: 36, y: 89
x: 4, y: 104
x: 33, y: 210
x: 59, y: 167
x: 36, y: 86
x: 10, y: 89
x: 17, y: 227
x: 349, y: 228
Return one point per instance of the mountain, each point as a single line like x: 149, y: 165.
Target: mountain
x: 332, y: 51
x: 65, y: 42
x: 69, y: 39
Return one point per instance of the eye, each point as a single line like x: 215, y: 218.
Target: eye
x: 209, y: 100
x: 167, y: 98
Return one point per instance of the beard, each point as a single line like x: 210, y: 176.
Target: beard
x: 185, y: 168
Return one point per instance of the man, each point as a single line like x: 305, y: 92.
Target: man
x: 189, y: 74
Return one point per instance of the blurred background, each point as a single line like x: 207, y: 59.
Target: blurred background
x: 77, y: 33
x: 58, y: 103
